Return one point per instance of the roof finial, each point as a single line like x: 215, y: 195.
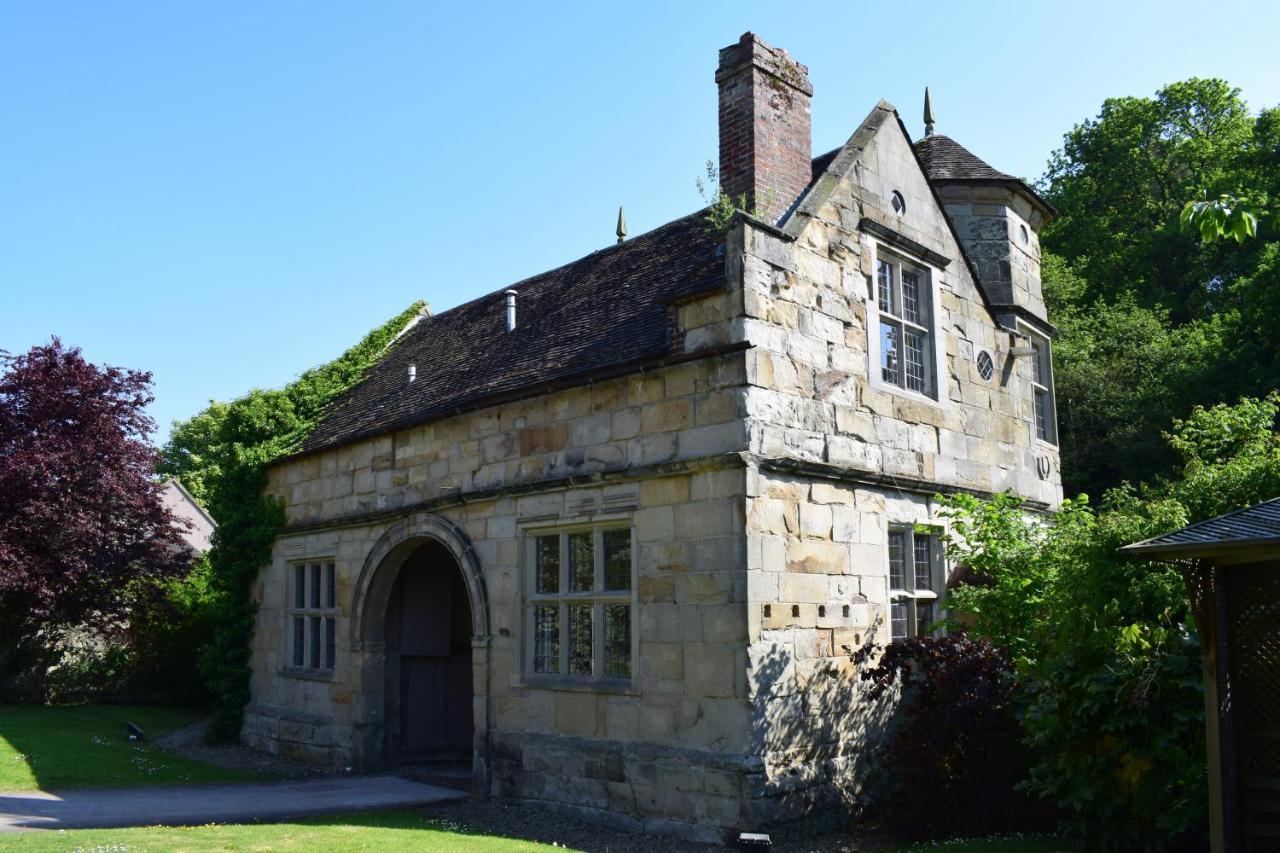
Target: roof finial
x: 929, y: 120
x: 622, y: 225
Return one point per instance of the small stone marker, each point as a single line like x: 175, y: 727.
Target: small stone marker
x: 754, y: 842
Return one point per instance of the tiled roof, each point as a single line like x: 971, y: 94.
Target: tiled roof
x: 944, y: 159
x: 947, y: 161
x: 1256, y: 525
x: 606, y: 310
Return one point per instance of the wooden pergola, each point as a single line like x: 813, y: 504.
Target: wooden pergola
x: 1232, y: 568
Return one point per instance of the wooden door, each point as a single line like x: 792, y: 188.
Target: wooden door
x: 435, y: 662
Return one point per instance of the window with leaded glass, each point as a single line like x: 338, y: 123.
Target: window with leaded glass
x: 915, y: 581
x: 904, y: 301
x: 580, y: 608
x: 1042, y: 391
x: 313, y: 615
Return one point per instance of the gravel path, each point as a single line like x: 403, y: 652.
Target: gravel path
x: 188, y: 742
x: 504, y: 818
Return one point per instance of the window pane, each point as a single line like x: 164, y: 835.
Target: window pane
x: 299, y: 587
x: 924, y: 617
x: 315, y: 641
x: 924, y: 564
x: 617, y: 640
x: 299, y: 641
x: 315, y: 584
x: 1037, y: 363
x: 915, y: 347
x: 330, y: 630
x: 330, y: 586
x: 617, y: 559
x: 580, y: 640
x: 582, y: 564
x: 911, y: 297
x: 897, y: 559
x: 889, y: 359
x: 1042, y: 414
x: 548, y: 548
x: 884, y: 276
x: 546, y: 638
x: 898, y: 620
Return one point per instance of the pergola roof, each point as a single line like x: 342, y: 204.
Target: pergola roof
x: 1245, y: 528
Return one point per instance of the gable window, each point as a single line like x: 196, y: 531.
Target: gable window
x: 313, y: 616
x: 1046, y: 421
x: 904, y: 300
x: 580, y: 604
x: 915, y: 581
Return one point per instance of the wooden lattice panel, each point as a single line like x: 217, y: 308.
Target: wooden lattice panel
x: 1254, y: 679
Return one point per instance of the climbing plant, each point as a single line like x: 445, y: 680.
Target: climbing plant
x: 222, y: 454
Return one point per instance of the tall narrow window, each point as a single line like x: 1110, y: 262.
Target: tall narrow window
x: 314, y: 615
x: 580, y: 606
x: 1042, y: 391
x: 903, y: 297
x: 915, y: 572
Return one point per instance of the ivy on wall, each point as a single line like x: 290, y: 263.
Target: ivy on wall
x: 221, y: 456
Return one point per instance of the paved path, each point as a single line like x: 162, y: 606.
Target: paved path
x: 188, y: 805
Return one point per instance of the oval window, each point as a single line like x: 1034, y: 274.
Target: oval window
x: 898, y: 202
x: 1023, y: 235
x: 986, y: 367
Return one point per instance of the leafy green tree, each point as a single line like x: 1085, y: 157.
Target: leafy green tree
x: 1154, y: 318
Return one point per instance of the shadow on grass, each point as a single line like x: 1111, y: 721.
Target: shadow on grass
x: 400, y: 829
x: 52, y: 747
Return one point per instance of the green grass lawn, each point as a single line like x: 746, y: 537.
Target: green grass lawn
x: 80, y: 746
x: 405, y: 829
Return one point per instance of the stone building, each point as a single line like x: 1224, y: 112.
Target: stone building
x: 611, y: 536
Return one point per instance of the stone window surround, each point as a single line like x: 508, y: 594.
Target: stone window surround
x: 324, y: 612
x: 524, y: 676
x: 938, y: 348
x: 1036, y: 338
x: 937, y: 573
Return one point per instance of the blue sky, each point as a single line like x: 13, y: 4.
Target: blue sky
x: 228, y: 193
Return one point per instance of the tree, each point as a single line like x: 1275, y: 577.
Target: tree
x: 81, y: 520
x: 1154, y: 318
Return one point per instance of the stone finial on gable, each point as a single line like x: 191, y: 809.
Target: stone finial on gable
x: 929, y: 120
x: 622, y: 225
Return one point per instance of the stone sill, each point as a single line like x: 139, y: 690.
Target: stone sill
x: 307, y: 674
x: 617, y: 687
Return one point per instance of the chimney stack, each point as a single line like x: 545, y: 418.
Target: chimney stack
x: 765, y: 145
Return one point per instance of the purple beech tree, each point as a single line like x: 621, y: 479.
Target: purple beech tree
x: 80, y: 515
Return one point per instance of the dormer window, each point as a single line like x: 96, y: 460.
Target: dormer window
x: 904, y: 299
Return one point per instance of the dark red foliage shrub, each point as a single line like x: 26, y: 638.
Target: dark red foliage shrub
x: 80, y: 515
x: 951, y: 762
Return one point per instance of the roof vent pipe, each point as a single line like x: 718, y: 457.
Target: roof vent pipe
x: 511, y: 310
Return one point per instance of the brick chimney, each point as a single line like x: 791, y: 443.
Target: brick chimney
x: 765, y: 145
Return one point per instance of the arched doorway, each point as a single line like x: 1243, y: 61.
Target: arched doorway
x: 421, y: 569
x: 428, y: 691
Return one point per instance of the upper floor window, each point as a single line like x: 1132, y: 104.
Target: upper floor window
x: 580, y: 605
x: 904, y: 299
x: 313, y: 616
x: 1042, y: 390
x: 915, y: 580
